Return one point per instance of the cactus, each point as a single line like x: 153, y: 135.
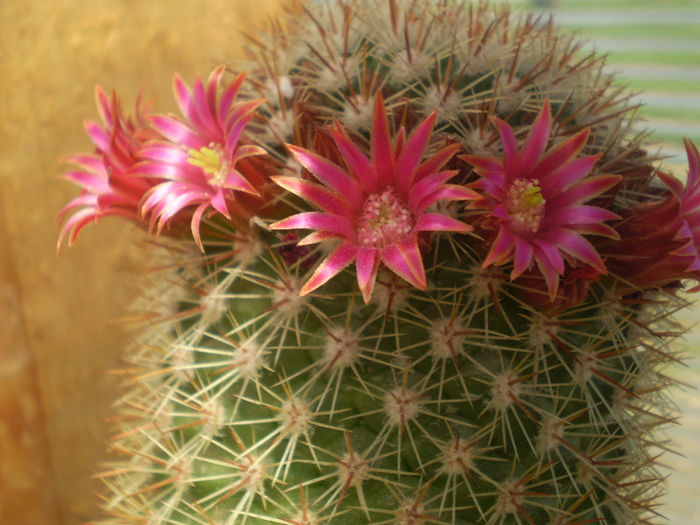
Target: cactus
x: 416, y: 266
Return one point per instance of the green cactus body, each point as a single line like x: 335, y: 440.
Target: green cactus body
x: 470, y: 399
x: 450, y: 405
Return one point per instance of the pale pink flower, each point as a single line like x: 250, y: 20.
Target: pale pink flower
x: 375, y: 207
x: 535, y: 198
x: 200, y: 156
x: 109, y: 184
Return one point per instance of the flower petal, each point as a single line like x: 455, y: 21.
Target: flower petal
x: 98, y: 135
x: 576, y: 246
x: 75, y: 224
x: 564, y: 177
x: 164, y: 152
x: 242, y: 114
x: 106, y: 106
x: 330, y: 266
x: 316, y: 237
x: 317, y: 221
x: 585, y: 190
x: 203, y: 116
x: 360, y: 166
x: 440, y: 223
x: 248, y: 150
x: 536, y: 142
x: 236, y: 181
x: 405, y: 260
x: 522, y: 258
x: 93, y: 182
x: 218, y: 202
x: 693, y: 163
x: 562, y: 153
x: 549, y: 252
x: 229, y: 95
x: 675, y: 185
x: 366, y: 264
x: 434, y: 162
x: 510, y: 145
x: 380, y: 144
x: 597, y: 229
x: 410, y: 158
x: 551, y: 276
x: 501, y: 248
x: 92, y: 163
x: 213, y: 85
x: 426, y: 187
x: 319, y: 195
x: 449, y: 192
x: 330, y: 174
x: 175, y: 130
x: 157, y: 170
x: 579, y: 214
x: 183, y: 97
x: 195, y: 224
x: 484, y: 166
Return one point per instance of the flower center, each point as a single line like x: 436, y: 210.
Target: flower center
x: 384, y: 220
x: 525, y: 205
x: 213, y: 162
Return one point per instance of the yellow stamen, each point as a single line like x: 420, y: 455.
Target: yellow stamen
x: 212, y: 161
x: 206, y: 158
x: 532, y: 196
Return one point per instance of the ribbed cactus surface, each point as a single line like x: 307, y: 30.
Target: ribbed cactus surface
x: 431, y: 281
x: 458, y: 404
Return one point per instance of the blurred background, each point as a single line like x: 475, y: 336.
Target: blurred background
x: 60, y: 336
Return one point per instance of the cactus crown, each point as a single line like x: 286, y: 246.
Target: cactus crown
x: 434, y: 281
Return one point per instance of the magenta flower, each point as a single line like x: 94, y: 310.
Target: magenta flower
x: 535, y: 202
x: 376, y: 207
x: 199, y: 157
x: 109, y: 184
x: 660, y: 240
x: 688, y: 221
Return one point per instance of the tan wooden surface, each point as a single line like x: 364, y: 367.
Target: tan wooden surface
x: 56, y: 340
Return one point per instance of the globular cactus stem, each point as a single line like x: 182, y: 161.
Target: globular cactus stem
x: 419, y: 269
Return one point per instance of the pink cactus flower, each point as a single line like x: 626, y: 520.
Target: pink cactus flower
x: 688, y: 221
x: 200, y: 156
x: 535, y: 202
x: 376, y: 207
x: 109, y: 184
x: 660, y: 240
